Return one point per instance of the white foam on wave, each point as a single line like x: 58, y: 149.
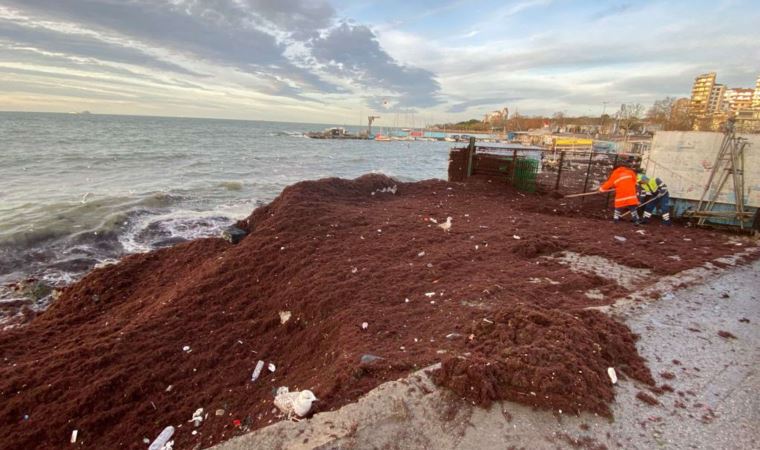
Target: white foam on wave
x: 145, y: 231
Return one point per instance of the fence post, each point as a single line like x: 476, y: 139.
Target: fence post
x: 614, y: 163
x: 588, y: 172
x: 470, y: 155
x: 514, y: 166
x: 559, y: 171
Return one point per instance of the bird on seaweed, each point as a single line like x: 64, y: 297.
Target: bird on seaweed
x: 446, y: 226
x: 298, y: 403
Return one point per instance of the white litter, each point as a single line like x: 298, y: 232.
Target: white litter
x: 74, y: 436
x: 429, y: 294
x: 197, y: 417
x: 421, y: 254
x: 365, y: 325
x: 284, y: 316
x: 187, y: 349
x: 612, y: 374
x: 354, y: 270
x: 406, y: 300
x: 641, y: 232
x: 621, y: 238
x: 433, y: 220
x: 516, y: 237
x: 162, y: 439
x: 257, y: 370
x: 271, y: 367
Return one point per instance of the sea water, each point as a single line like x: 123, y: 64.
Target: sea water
x: 79, y: 190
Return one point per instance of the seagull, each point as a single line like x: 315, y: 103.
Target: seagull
x: 298, y: 403
x: 446, y: 226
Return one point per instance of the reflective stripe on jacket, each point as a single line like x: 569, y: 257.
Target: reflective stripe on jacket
x: 623, y: 180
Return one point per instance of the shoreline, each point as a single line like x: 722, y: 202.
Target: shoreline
x: 334, y: 253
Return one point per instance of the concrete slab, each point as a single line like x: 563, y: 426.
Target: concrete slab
x: 715, y: 403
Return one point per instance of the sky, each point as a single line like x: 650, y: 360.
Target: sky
x: 338, y: 61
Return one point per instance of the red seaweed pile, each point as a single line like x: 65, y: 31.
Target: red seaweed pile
x: 142, y: 344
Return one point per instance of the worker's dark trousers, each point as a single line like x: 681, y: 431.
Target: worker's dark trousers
x: 619, y: 212
x: 662, y: 204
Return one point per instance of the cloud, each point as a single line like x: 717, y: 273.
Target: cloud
x: 353, y: 52
x: 81, y: 45
x: 464, y: 106
x: 613, y: 10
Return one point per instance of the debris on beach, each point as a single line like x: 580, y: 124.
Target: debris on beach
x: 257, y: 370
x: 212, y: 296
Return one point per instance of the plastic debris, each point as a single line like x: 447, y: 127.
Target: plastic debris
x: 187, y: 349
x: 354, y: 270
x: 236, y: 423
x: 162, y: 439
x: 271, y: 367
x: 197, y: 417
x: 219, y: 412
x: 621, y: 238
x: 169, y: 388
x: 284, y: 316
x: 369, y: 358
x: 257, y: 370
x: 429, y: 294
x: 365, y: 325
x: 74, y: 436
x: 194, y: 432
x: 612, y: 375
x: 421, y: 254
x: 514, y: 236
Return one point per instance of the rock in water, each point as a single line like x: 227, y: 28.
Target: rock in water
x: 298, y: 403
x: 233, y: 235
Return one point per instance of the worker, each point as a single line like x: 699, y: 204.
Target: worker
x: 654, y: 194
x: 623, y: 181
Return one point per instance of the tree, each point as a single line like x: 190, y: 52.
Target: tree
x: 629, y: 116
x: 661, y: 111
x: 672, y: 114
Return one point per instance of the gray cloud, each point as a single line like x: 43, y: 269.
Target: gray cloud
x: 218, y: 31
x: 352, y: 51
x: 250, y: 35
x: 81, y: 45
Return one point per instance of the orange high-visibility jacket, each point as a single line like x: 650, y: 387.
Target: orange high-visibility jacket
x: 623, y: 180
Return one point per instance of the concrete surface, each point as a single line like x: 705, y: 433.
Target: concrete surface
x: 715, y: 404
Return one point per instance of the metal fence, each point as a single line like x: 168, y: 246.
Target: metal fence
x: 544, y: 170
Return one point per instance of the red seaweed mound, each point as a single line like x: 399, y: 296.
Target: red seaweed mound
x: 142, y: 344
x: 544, y: 358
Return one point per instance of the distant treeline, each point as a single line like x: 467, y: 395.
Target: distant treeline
x: 669, y: 113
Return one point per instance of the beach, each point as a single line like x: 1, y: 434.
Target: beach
x: 142, y: 344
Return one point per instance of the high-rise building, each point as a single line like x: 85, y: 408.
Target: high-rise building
x: 736, y: 99
x: 701, y: 93
x: 756, y: 96
x: 715, y: 102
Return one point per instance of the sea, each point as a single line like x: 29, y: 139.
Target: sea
x: 82, y: 190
